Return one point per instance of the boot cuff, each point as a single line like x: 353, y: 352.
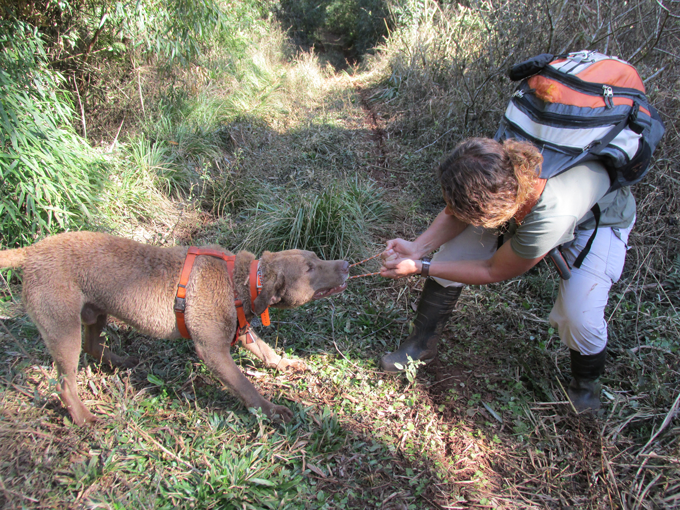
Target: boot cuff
x: 588, y: 367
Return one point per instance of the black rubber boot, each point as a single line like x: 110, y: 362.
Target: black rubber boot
x: 584, y: 388
x: 434, y: 309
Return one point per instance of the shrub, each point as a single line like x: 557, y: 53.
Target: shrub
x: 354, y: 26
x: 49, y: 176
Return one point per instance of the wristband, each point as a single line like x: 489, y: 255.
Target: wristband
x: 425, y: 267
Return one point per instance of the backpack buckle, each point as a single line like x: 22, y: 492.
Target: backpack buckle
x: 592, y: 144
x: 634, y: 125
x: 580, y: 56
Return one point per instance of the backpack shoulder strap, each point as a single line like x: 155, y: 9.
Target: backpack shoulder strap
x: 586, y: 249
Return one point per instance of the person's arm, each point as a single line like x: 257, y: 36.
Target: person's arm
x: 504, y: 264
x: 444, y: 228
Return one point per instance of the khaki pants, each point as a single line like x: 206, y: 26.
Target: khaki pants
x: 578, y: 313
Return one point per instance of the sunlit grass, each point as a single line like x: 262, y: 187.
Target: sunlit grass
x: 335, y: 222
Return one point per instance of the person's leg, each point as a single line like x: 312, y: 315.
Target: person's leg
x: 578, y: 312
x: 438, y: 300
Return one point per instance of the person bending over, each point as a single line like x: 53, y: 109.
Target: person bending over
x: 493, y: 189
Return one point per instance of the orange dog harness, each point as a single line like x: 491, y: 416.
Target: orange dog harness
x: 255, y: 283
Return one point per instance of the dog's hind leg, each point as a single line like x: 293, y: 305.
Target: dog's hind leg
x: 213, y: 348
x: 95, y: 345
x: 64, y: 346
x: 269, y: 357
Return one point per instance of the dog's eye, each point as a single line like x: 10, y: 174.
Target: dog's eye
x: 310, y: 267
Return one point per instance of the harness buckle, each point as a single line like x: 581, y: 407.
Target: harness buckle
x: 249, y: 336
x: 244, y: 330
x: 180, y: 304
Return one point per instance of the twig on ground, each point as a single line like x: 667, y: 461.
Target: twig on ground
x: 567, y: 395
x: 669, y: 417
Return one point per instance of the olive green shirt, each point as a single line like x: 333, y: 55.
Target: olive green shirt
x: 564, y: 207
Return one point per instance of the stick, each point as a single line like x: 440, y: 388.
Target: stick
x: 361, y: 262
x: 666, y: 421
x: 116, y: 138
x: 82, y: 110
x: 362, y: 275
x: 165, y: 450
x: 567, y: 395
x: 365, y: 260
x: 139, y: 86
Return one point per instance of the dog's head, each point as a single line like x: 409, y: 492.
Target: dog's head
x: 294, y: 277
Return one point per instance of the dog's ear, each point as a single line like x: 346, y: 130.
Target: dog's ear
x: 273, y: 283
x: 268, y: 296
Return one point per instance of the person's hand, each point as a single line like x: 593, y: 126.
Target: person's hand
x: 400, y: 259
x: 395, y: 267
x: 402, y: 249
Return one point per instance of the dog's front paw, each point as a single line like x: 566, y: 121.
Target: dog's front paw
x: 130, y: 362
x: 293, y: 365
x: 279, y: 413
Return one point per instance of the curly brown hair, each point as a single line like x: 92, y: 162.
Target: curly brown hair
x: 485, y: 182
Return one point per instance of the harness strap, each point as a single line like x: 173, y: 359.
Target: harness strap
x: 180, y: 297
x: 243, y: 324
x: 255, y: 288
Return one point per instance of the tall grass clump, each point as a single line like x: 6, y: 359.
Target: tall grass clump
x: 139, y: 183
x: 194, y: 142
x: 336, y: 223
x: 50, y: 177
x: 240, y: 77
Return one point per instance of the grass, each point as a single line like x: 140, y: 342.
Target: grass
x: 487, y: 425
x: 335, y: 222
x: 326, y: 157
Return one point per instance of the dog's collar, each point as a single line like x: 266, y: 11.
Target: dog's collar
x: 255, y: 288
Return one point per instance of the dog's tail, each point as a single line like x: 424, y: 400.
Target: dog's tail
x: 13, y: 258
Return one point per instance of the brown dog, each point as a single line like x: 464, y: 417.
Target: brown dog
x: 81, y: 277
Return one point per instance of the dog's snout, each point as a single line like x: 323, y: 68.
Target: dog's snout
x: 344, y: 267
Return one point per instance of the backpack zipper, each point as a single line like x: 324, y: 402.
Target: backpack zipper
x: 578, y: 84
x: 571, y: 120
x: 560, y: 149
x: 608, y: 95
x: 542, y: 143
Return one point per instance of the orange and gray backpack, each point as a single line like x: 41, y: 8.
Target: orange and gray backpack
x: 580, y: 107
x: 583, y: 106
